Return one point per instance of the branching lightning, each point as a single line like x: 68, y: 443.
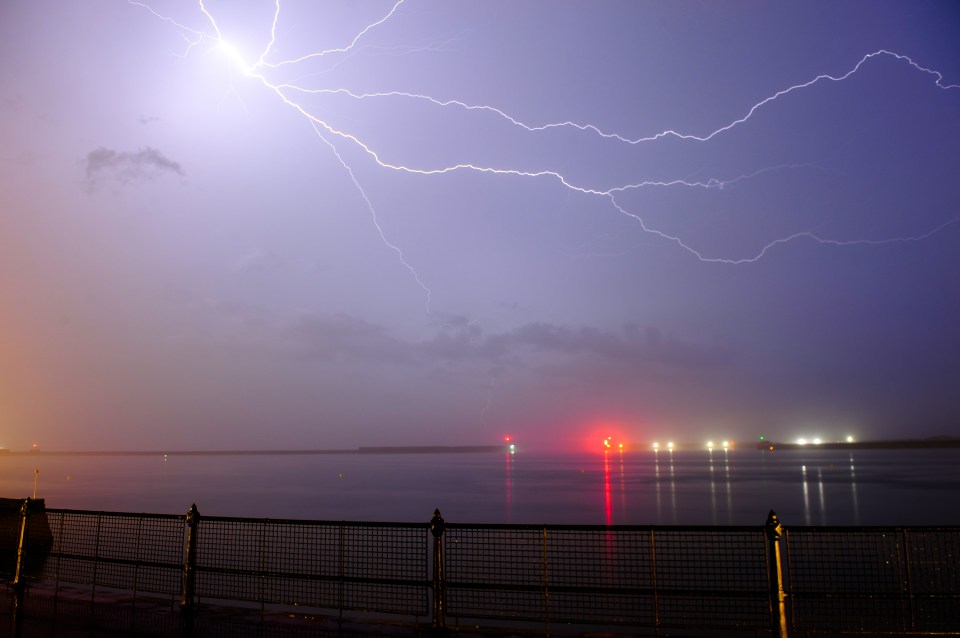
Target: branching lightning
x: 291, y: 94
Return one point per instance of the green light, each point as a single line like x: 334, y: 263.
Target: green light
x: 761, y: 437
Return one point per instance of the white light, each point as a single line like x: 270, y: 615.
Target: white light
x: 669, y: 445
x: 709, y: 445
x: 817, y: 441
x: 849, y: 439
x: 725, y: 444
x: 234, y: 55
x: 656, y: 446
x: 801, y: 441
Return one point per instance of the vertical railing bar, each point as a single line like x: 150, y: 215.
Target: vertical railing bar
x: 340, y: 572
x: 656, y: 591
x: 96, y: 558
x: 907, y: 579
x: 260, y: 567
x: 136, y: 565
x: 546, y: 585
x: 56, y: 589
x: 788, y: 589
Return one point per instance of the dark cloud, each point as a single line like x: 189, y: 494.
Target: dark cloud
x: 632, y: 351
x: 127, y: 166
x: 340, y: 336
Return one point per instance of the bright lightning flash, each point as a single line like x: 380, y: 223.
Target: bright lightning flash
x: 290, y: 93
x: 235, y: 57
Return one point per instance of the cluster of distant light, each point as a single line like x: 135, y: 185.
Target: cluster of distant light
x: 709, y: 445
x: 290, y: 94
x: 608, y: 444
x: 819, y: 440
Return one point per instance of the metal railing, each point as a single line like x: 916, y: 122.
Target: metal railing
x: 761, y: 579
x: 873, y: 580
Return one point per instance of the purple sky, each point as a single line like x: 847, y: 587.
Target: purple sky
x: 199, y: 250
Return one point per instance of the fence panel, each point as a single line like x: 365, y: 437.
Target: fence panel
x: 642, y: 576
x: 933, y: 567
x: 601, y: 574
x: 846, y: 579
x: 873, y: 579
x: 375, y: 567
x: 385, y: 567
x: 495, y: 572
x: 136, y: 552
x: 712, y: 577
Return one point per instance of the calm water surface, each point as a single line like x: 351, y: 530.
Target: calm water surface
x: 808, y: 487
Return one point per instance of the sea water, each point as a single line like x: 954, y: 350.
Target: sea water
x: 738, y: 487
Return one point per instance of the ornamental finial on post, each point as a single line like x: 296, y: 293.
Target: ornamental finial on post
x: 437, y: 524
x: 773, y: 527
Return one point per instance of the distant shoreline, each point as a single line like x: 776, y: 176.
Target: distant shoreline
x: 411, y: 449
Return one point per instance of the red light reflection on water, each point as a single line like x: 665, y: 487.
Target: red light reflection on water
x: 608, y: 507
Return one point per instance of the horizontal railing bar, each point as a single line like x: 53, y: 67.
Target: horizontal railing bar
x: 116, y: 561
x: 838, y: 529
x: 861, y: 596
x: 714, y: 529
x: 227, y: 571
x: 312, y: 523
x: 573, y: 589
x: 171, y: 517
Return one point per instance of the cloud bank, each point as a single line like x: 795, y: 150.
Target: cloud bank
x: 129, y: 166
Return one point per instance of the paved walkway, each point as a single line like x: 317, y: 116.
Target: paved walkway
x: 73, y: 612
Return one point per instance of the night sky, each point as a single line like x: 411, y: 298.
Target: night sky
x: 440, y: 222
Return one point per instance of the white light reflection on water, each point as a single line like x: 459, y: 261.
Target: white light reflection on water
x: 713, y: 488
x: 853, y: 491
x: 806, y: 495
x: 508, y: 484
x: 729, y: 486
x: 879, y: 487
x: 823, y: 503
x: 656, y: 470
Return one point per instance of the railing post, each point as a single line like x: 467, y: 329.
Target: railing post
x: 778, y: 616
x: 18, y: 580
x: 437, y: 527
x: 19, y: 585
x: 190, y: 560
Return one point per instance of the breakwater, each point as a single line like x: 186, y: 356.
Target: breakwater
x: 394, y: 449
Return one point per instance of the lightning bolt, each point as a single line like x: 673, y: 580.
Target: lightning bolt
x: 290, y: 94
